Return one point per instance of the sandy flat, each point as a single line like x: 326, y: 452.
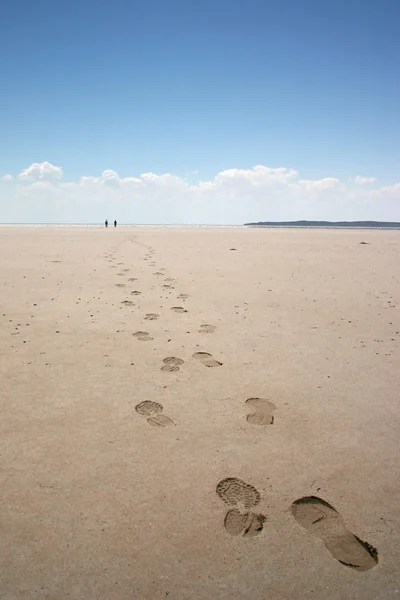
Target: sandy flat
x: 103, y: 501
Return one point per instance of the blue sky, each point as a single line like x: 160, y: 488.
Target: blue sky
x: 197, y: 89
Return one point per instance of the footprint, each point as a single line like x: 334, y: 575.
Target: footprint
x: 238, y: 493
x: 183, y: 296
x: 158, y: 273
x: 171, y: 363
x: 120, y: 285
x: 179, y: 309
x: 135, y: 293
x: 132, y: 279
x: 151, y: 316
x: 153, y: 411
x: 207, y: 328
x: 207, y: 359
x: 166, y: 286
x: 321, y: 518
x: 241, y: 496
x: 262, y: 411
x: 249, y: 524
x: 169, y: 279
x: 143, y: 336
x: 121, y: 274
x: 128, y: 303
x: 148, y: 408
x: 160, y: 421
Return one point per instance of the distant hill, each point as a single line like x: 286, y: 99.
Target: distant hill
x: 349, y: 224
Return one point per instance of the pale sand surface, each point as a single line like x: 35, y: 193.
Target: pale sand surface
x: 98, y: 504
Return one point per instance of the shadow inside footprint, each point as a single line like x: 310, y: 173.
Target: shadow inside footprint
x: 179, y: 309
x: 207, y: 359
x: 151, y: 316
x: 262, y: 411
x: 321, y: 518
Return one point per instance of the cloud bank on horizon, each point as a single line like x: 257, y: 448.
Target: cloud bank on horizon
x: 39, y: 194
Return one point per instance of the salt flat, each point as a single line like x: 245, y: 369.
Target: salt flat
x: 129, y: 467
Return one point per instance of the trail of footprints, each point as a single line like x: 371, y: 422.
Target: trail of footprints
x: 314, y: 514
x: 243, y: 519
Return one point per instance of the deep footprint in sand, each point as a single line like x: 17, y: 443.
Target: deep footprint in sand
x: 132, y: 279
x: 207, y: 359
x: 179, y: 310
x: 207, y: 328
x: 241, y: 496
x: 171, y: 363
x: 237, y: 493
x: 322, y: 519
x: 143, y: 336
x: 262, y: 411
x: 120, y: 285
x: 151, y: 316
x: 128, y: 303
x: 247, y: 525
x: 183, y: 296
x: 136, y: 293
x: 153, y: 411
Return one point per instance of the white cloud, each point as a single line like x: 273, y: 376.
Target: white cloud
x: 44, y: 171
x: 7, y: 177
x: 84, y: 181
x: 319, y: 184
x: 232, y: 196
x: 390, y: 192
x: 361, y: 180
x: 110, y: 178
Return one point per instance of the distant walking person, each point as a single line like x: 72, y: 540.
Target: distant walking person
x: 106, y: 222
x: 115, y: 223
